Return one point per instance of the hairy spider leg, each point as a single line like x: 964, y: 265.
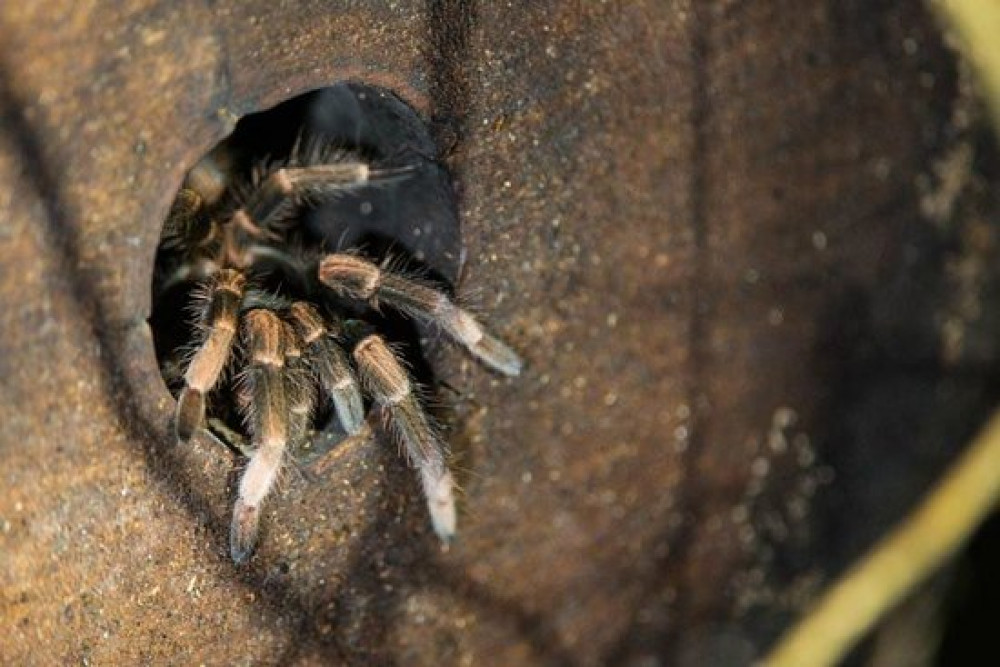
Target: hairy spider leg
x: 281, y: 190
x: 330, y: 364
x: 220, y: 320
x: 358, y: 278
x: 268, y: 417
x: 388, y: 383
x: 300, y: 389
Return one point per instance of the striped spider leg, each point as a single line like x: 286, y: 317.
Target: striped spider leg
x: 290, y: 354
x: 330, y: 366
x: 268, y: 418
x: 387, y: 382
x: 389, y: 385
x: 358, y: 278
x: 220, y: 320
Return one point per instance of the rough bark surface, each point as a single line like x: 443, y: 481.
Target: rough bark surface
x: 734, y: 242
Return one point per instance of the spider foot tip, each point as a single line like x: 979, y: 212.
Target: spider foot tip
x: 350, y: 410
x: 243, y: 532
x: 190, y: 414
x: 441, y: 505
x: 445, y: 532
x: 393, y: 173
x: 498, y: 356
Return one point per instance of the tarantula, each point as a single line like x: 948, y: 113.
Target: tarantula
x: 284, y: 318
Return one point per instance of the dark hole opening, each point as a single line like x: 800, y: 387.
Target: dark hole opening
x: 412, y: 221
